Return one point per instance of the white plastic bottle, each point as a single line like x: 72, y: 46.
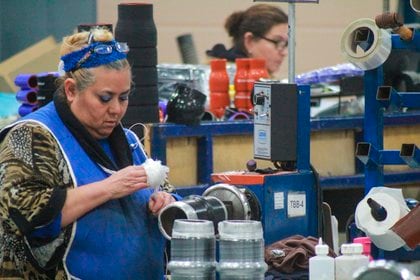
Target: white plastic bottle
x: 321, y: 266
x: 351, y: 260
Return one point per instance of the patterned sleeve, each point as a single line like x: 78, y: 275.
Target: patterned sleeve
x: 33, y: 179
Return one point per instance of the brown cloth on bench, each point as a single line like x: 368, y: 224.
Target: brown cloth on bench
x: 408, y: 227
x: 292, y: 253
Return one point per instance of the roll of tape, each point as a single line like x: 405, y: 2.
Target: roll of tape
x: 379, y: 231
x: 365, y: 45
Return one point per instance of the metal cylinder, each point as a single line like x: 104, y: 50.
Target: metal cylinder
x: 192, y: 207
x: 193, y: 253
x: 241, y: 250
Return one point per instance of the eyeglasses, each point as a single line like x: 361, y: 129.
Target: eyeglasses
x: 279, y: 44
x: 103, y: 49
x: 107, y: 49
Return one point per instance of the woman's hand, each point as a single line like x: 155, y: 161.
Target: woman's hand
x: 126, y: 181
x: 159, y: 200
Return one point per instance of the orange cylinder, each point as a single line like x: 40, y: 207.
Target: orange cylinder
x: 242, y: 101
x: 219, y: 78
x: 219, y: 87
x: 218, y: 103
x: 257, y: 70
x: 241, y: 75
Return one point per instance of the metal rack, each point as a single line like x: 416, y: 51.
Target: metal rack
x: 377, y: 97
x: 371, y: 152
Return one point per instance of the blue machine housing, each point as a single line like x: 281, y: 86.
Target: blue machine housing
x: 277, y: 205
x: 289, y: 201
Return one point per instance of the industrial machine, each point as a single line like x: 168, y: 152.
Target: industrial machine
x: 285, y: 199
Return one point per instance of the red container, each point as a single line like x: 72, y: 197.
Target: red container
x: 257, y: 70
x: 241, y: 75
x: 219, y: 79
x: 219, y: 87
x: 242, y: 101
x: 219, y: 101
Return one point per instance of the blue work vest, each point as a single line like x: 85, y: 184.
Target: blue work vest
x: 119, y: 239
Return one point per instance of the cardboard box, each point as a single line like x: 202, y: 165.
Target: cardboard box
x: 40, y: 57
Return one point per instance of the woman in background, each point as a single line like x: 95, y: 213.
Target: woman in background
x: 258, y: 32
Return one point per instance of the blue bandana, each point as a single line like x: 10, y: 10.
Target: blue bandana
x: 89, y: 57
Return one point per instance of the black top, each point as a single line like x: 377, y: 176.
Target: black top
x: 220, y: 51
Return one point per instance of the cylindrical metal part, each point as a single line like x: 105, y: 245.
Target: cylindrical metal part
x: 193, y: 253
x: 241, y: 250
x: 192, y: 207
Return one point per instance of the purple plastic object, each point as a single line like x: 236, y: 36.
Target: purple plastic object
x: 26, y: 96
x: 26, y: 81
x: 329, y: 74
x: 239, y: 116
x: 42, y: 74
x: 25, y: 109
x: 162, y: 106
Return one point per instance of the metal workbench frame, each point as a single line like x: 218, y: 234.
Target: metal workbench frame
x: 374, y: 120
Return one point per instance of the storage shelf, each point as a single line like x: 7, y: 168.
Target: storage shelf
x: 208, y: 129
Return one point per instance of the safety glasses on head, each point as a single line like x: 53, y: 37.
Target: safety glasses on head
x: 107, y: 49
x: 95, y: 54
x: 102, y: 49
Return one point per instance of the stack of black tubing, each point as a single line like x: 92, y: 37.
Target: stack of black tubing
x: 136, y: 27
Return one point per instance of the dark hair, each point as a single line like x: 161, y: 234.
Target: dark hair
x: 258, y: 20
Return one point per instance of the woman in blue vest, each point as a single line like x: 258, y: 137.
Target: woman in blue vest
x: 74, y: 199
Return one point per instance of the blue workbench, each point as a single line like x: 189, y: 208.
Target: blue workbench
x: 160, y: 133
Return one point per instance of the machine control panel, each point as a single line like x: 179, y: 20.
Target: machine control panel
x: 275, y: 121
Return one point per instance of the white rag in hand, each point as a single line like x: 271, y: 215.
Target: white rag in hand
x: 156, y: 173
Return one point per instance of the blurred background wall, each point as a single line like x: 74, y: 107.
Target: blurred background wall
x: 318, y: 26
x: 25, y: 22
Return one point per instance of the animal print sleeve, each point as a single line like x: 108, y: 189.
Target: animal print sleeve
x: 33, y: 179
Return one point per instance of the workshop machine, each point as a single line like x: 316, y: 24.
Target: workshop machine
x: 285, y: 198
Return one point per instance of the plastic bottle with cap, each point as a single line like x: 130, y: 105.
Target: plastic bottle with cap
x: 366, y: 243
x: 321, y: 266
x: 350, y: 261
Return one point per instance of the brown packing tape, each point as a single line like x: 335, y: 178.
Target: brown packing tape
x: 408, y: 227
x: 40, y: 57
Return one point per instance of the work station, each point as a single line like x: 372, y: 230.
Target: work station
x: 225, y: 140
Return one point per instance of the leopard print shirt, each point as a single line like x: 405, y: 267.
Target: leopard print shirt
x: 32, y: 166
